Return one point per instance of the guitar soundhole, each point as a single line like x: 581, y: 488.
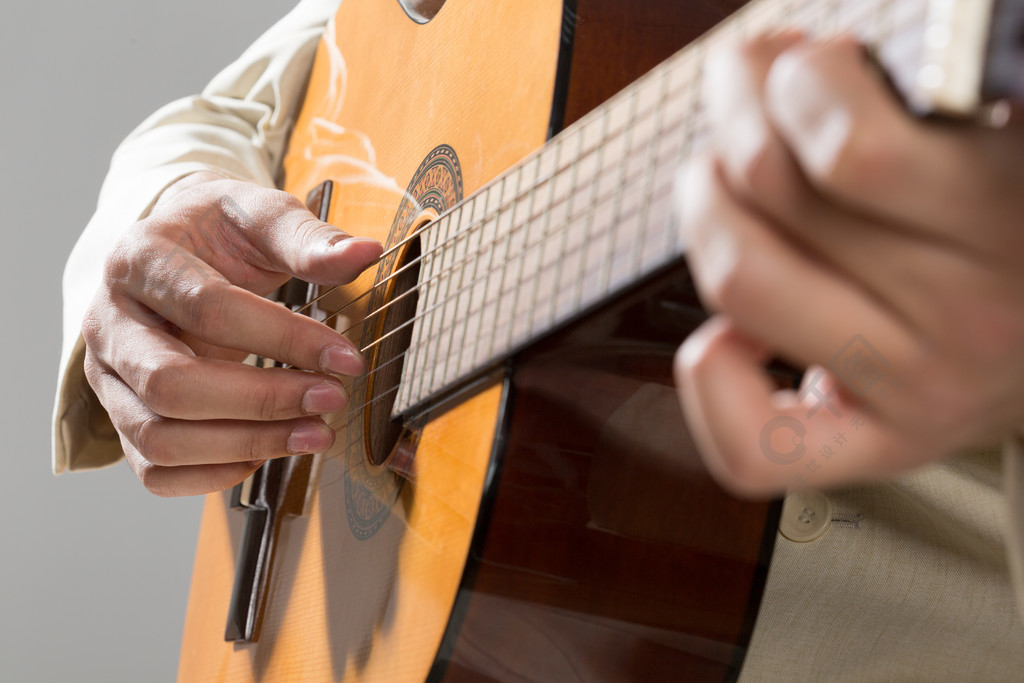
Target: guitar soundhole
x: 394, y: 329
x: 421, y: 11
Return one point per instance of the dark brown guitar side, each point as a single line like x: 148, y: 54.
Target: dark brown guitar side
x: 604, y: 551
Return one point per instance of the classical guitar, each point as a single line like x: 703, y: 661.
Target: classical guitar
x: 513, y: 495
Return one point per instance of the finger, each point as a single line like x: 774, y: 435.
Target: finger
x: 757, y: 441
x: 896, y: 266
x: 769, y: 288
x: 856, y: 142
x: 274, y: 231
x: 175, y: 443
x: 175, y: 383
x: 189, y: 480
x: 122, y: 405
x: 200, y: 301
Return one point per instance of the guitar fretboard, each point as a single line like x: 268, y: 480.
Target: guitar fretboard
x: 588, y: 215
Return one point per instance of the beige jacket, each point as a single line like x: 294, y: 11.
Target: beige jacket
x: 910, y: 579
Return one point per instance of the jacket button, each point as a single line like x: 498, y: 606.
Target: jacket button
x: 805, y: 516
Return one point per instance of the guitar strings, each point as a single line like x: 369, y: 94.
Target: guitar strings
x: 360, y: 382
x: 463, y: 289
x: 521, y: 256
x: 468, y: 287
x: 511, y: 203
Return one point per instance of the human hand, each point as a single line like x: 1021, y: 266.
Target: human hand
x: 829, y: 227
x: 181, y: 304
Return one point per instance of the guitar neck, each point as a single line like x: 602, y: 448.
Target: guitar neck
x: 589, y: 215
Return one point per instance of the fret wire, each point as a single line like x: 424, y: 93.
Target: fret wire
x: 462, y: 275
x: 591, y: 208
x: 424, y: 292
x: 687, y: 143
x: 522, y: 261
x: 509, y: 232
x: 470, y: 258
x: 427, y: 371
x: 546, y: 217
x: 463, y: 268
x: 617, y: 200
x: 507, y: 250
x: 487, y: 272
x: 652, y: 149
x: 436, y: 273
x: 483, y: 200
x: 462, y: 264
x: 564, y: 233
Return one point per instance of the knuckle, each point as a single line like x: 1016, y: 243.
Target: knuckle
x: 266, y: 402
x: 154, y: 479
x: 159, y: 384
x: 290, y: 345
x: 92, y: 328
x: 117, y: 267
x: 93, y: 371
x: 125, y: 263
x: 151, y: 442
x: 203, y: 308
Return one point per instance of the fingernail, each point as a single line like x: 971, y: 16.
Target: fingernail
x: 310, y: 437
x: 324, y: 398
x: 341, y: 360
x: 346, y: 240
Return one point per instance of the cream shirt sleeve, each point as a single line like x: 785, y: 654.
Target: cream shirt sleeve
x: 238, y: 125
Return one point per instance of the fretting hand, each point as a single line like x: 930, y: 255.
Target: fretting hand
x: 181, y: 305
x: 828, y: 226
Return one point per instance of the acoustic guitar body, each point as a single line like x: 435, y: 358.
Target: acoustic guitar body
x: 548, y: 519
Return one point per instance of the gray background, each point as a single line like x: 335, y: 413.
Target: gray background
x: 94, y: 571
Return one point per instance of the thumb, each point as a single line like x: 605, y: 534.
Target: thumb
x: 290, y: 239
